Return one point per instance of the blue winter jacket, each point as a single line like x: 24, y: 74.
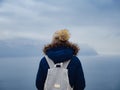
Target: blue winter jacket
x: 61, y: 54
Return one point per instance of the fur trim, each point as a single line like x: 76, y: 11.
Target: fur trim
x: 65, y: 44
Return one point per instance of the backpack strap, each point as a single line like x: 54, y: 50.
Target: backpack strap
x: 66, y: 63
x: 49, y: 61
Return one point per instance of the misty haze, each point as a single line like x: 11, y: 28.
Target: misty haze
x: 20, y: 60
x: 27, y: 25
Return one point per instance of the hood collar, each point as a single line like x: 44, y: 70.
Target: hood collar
x: 60, y: 54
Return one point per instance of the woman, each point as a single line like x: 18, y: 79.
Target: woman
x: 61, y: 50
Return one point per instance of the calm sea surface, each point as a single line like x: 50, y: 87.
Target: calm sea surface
x: 101, y: 72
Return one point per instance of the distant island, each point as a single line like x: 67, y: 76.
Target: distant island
x: 21, y: 47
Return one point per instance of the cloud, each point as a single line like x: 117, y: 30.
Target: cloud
x: 94, y: 22
x: 28, y: 15
x: 103, y: 40
x: 29, y: 47
x: 42, y: 13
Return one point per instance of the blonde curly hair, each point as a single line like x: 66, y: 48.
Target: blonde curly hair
x: 62, y: 35
x: 61, y: 38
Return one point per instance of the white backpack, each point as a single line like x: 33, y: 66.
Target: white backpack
x: 57, y: 76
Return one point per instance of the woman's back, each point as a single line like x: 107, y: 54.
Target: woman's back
x: 61, y: 51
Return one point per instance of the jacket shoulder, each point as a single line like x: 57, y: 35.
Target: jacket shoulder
x: 75, y: 60
x: 43, y: 62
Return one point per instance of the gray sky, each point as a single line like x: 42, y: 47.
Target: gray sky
x: 93, y: 22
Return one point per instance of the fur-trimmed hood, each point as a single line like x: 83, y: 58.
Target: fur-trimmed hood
x: 60, y: 52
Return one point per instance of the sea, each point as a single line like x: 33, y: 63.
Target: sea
x: 102, y: 72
